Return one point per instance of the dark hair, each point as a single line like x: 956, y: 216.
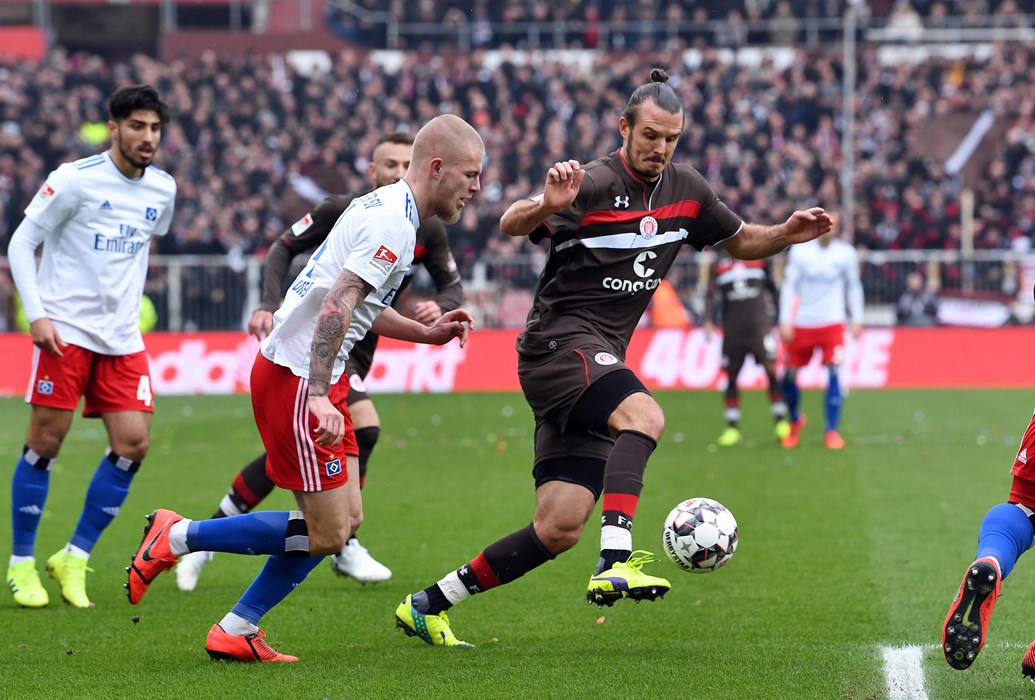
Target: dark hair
x: 656, y: 90
x: 402, y: 137
x: 132, y: 97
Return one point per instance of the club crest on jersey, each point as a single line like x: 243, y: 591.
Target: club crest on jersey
x: 333, y: 468
x: 302, y: 225
x: 150, y: 214
x: 384, y: 259
x: 648, y: 227
x: 605, y: 359
x: 45, y: 387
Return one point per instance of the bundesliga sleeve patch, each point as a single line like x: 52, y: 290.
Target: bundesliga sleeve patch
x: 302, y: 225
x: 45, y: 192
x: 384, y: 259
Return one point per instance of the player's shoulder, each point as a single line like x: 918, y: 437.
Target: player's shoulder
x: 334, y: 205
x: 162, y: 179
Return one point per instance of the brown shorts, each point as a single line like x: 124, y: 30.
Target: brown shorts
x: 735, y: 348
x: 554, y: 382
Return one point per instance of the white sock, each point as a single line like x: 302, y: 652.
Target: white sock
x: 76, y: 551
x: 453, y: 588
x: 178, y: 537
x: 612, y: 537
x: 228, y: 506
x: 21, y: 560
x: 237, y: 625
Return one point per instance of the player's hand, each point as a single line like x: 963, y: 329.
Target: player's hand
x: 709, y: 329
x: 330, y: 429
x: 427, y: 312
x: 261, y: 323
x: 786, y: 332
x: 856, y: 328
x: 562, y: 184
x: 46, y: 337
x: 808, y: 224
x: 453, y: 324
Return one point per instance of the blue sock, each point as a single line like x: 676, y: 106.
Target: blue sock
x: 260, y: 532
x: 1006, y: 533
x: 29, y: 487
x: 833, y: 400
x: 791, y: 395
x: 105, y: 495
x: 280, y: 576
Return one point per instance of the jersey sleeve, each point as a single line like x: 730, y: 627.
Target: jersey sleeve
x: 57, y: 199
x: 853, y: 287
x: 312, y: 229
x: 377, y: 245
x: 715, y: 221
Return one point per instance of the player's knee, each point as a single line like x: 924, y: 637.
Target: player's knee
x: 559, y: 534
x: 133, y: 448
x: 45, y: 443
x: 326, y: 541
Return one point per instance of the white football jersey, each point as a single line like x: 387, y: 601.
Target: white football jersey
x: 374, y: 238
x: 818, y: 283
x: 91, y: 273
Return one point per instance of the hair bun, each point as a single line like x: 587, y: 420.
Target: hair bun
x: 658, y: 75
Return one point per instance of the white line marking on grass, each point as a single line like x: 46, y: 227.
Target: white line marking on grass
x: 904, y: 673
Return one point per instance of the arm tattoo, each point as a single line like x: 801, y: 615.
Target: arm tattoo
x: 348, y: 292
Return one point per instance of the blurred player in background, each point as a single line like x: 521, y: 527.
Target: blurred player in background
x: 388, y: 164
x: 297, y: 398
x: 96, y: 217
x: 742, y: 294
x: 821, y: 279
x: 614, y: 229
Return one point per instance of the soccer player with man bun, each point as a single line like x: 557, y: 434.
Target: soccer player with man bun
x: 96, y: 218
x: 614, y: 227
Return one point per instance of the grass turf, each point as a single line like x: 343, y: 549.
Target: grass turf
x: 841, y: 554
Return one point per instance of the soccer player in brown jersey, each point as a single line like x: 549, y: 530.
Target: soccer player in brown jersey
x: 742, y: 294
x: 251, y: 485
x: 614, y: 228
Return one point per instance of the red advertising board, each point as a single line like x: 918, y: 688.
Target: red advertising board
x: 219, y: 363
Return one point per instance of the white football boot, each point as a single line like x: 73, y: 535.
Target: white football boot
x: 189, y: 567
x: 354, y: 560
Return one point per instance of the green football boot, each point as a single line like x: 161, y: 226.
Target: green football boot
x: 730, y: 437
x: 626, y: 580
x: 70, y: 573
x: 433, y: 629
x: 25, y: 585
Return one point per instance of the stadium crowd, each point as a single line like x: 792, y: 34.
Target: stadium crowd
x: 255, y: 141
x: 644, y: 24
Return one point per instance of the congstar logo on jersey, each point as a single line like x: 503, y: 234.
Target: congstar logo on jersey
x: 642, y: 269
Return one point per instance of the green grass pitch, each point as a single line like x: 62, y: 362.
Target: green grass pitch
x: 842, y: 554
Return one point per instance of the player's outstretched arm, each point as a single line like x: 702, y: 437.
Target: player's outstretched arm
x: 563, y: 180
x: 756, y: 241
x: 453, y: 324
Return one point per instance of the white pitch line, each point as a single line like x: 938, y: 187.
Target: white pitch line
x: 904, y: 673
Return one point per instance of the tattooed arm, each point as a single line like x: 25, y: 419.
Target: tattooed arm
x: 348, y: 292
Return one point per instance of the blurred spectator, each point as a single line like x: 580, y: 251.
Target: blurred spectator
x: 918, y: 305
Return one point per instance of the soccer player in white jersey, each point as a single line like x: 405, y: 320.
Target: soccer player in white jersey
x: 345, y: 290
x: 96, y: 217
x: 821, y: 280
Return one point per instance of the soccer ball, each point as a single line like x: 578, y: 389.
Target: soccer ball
x: 700, y: 535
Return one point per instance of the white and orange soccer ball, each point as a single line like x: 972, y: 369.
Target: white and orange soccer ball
x: 700, y: 535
